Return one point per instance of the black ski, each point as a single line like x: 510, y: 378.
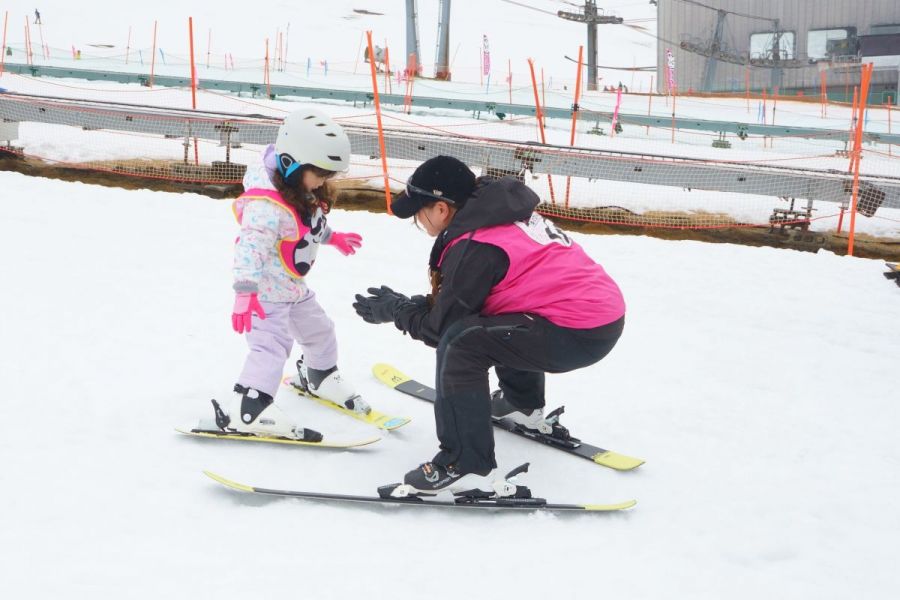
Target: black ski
x: 520, y: 498
x: 560, y: 437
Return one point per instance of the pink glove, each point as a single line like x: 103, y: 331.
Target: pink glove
x: 244, y: 306
x: 346, y: 243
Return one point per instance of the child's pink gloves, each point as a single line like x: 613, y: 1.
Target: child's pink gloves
x: 346, y: 243
x: 245, y: 304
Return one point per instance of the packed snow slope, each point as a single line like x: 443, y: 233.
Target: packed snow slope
x: 757, y: 383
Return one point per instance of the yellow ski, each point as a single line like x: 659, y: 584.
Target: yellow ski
x: 378, y: 419
x: 245, y: 437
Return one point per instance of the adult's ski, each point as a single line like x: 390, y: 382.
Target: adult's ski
x: 373, y: 417
x: 521, y: 499
x: 559, y: 438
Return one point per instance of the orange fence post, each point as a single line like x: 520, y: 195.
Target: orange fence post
x: 575, y: 109
x: 824, y: 77
x: 193, y: 83
x: 27, y: 43
x: 387, y: 69
x: 153, y: 54
x: 266, y: 72
x: 193, y: 67
x: 3, y: 48
x: 857, y: 149
x: 384, y: 165
x: 540, y: 120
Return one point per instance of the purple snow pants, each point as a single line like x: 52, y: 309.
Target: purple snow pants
x: 272, y: 338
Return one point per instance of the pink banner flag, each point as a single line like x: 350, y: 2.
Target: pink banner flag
x: 670, y: 71
x: 486, y: 54
x: 615, y: 119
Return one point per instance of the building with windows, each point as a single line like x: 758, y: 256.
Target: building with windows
x: 794, y: 46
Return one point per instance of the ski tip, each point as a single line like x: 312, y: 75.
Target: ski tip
x: 617, y: 461
x: 227, y: 482
x: 610, y: 507
x: 388, y: 374
x: 394, y: 423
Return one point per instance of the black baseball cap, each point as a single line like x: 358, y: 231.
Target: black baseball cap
x: 440, y: 178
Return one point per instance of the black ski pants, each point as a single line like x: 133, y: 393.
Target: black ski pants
x: 521, y: 348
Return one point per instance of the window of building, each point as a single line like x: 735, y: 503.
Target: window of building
x: 772, y: 46
x: 884, y: 29
x: 829, y: 43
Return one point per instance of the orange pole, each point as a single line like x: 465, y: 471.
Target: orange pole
x: 193, y: 67
x: 3, y: 47
x: 575, y: 109
x: 854, y: 121
x: 153, y: 54
x: 266, y: 72
x: 387, y: 69
x: 193, y: 83
x: 774, y: 104
x: 540, y: 120
x: 863, y: 97
x: 824, y: 77
x: 27, y: 43
x: 384, y: 165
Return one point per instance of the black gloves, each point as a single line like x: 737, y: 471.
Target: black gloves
x: 380, y: 306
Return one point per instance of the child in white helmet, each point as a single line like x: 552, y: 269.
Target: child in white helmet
x: 282, y: 214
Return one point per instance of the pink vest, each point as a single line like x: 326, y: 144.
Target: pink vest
x: 549, y: 275
x: 293, y: 251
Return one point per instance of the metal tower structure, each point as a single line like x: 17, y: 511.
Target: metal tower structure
x: 412, y: 31
x: 592, y: 18
x: 442, y: 52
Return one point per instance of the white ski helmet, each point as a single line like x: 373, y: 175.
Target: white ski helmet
x: 310, y: 137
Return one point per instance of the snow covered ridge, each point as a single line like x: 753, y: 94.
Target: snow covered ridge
x: 642, y: 178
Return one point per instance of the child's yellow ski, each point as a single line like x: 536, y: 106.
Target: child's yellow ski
x: 378, y: 419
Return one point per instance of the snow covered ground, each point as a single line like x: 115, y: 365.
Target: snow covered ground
x: 757, y: 384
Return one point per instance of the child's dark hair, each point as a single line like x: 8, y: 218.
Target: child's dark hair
x: 303, y: 200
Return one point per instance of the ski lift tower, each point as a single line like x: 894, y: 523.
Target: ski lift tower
x: 412, y: 32
x: 442, y: 53
x: 592, y: 18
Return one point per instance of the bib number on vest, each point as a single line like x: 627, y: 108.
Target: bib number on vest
x: 544, y: 231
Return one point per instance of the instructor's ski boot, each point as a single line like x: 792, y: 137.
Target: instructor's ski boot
x: 532, y: 418
x: 429, y: 479
x: 328, y: 385
x: 254, y: 412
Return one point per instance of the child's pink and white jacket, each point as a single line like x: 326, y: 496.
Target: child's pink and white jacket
x: 277, y: 247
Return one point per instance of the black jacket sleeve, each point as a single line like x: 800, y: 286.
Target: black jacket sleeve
x: 469, y: 271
